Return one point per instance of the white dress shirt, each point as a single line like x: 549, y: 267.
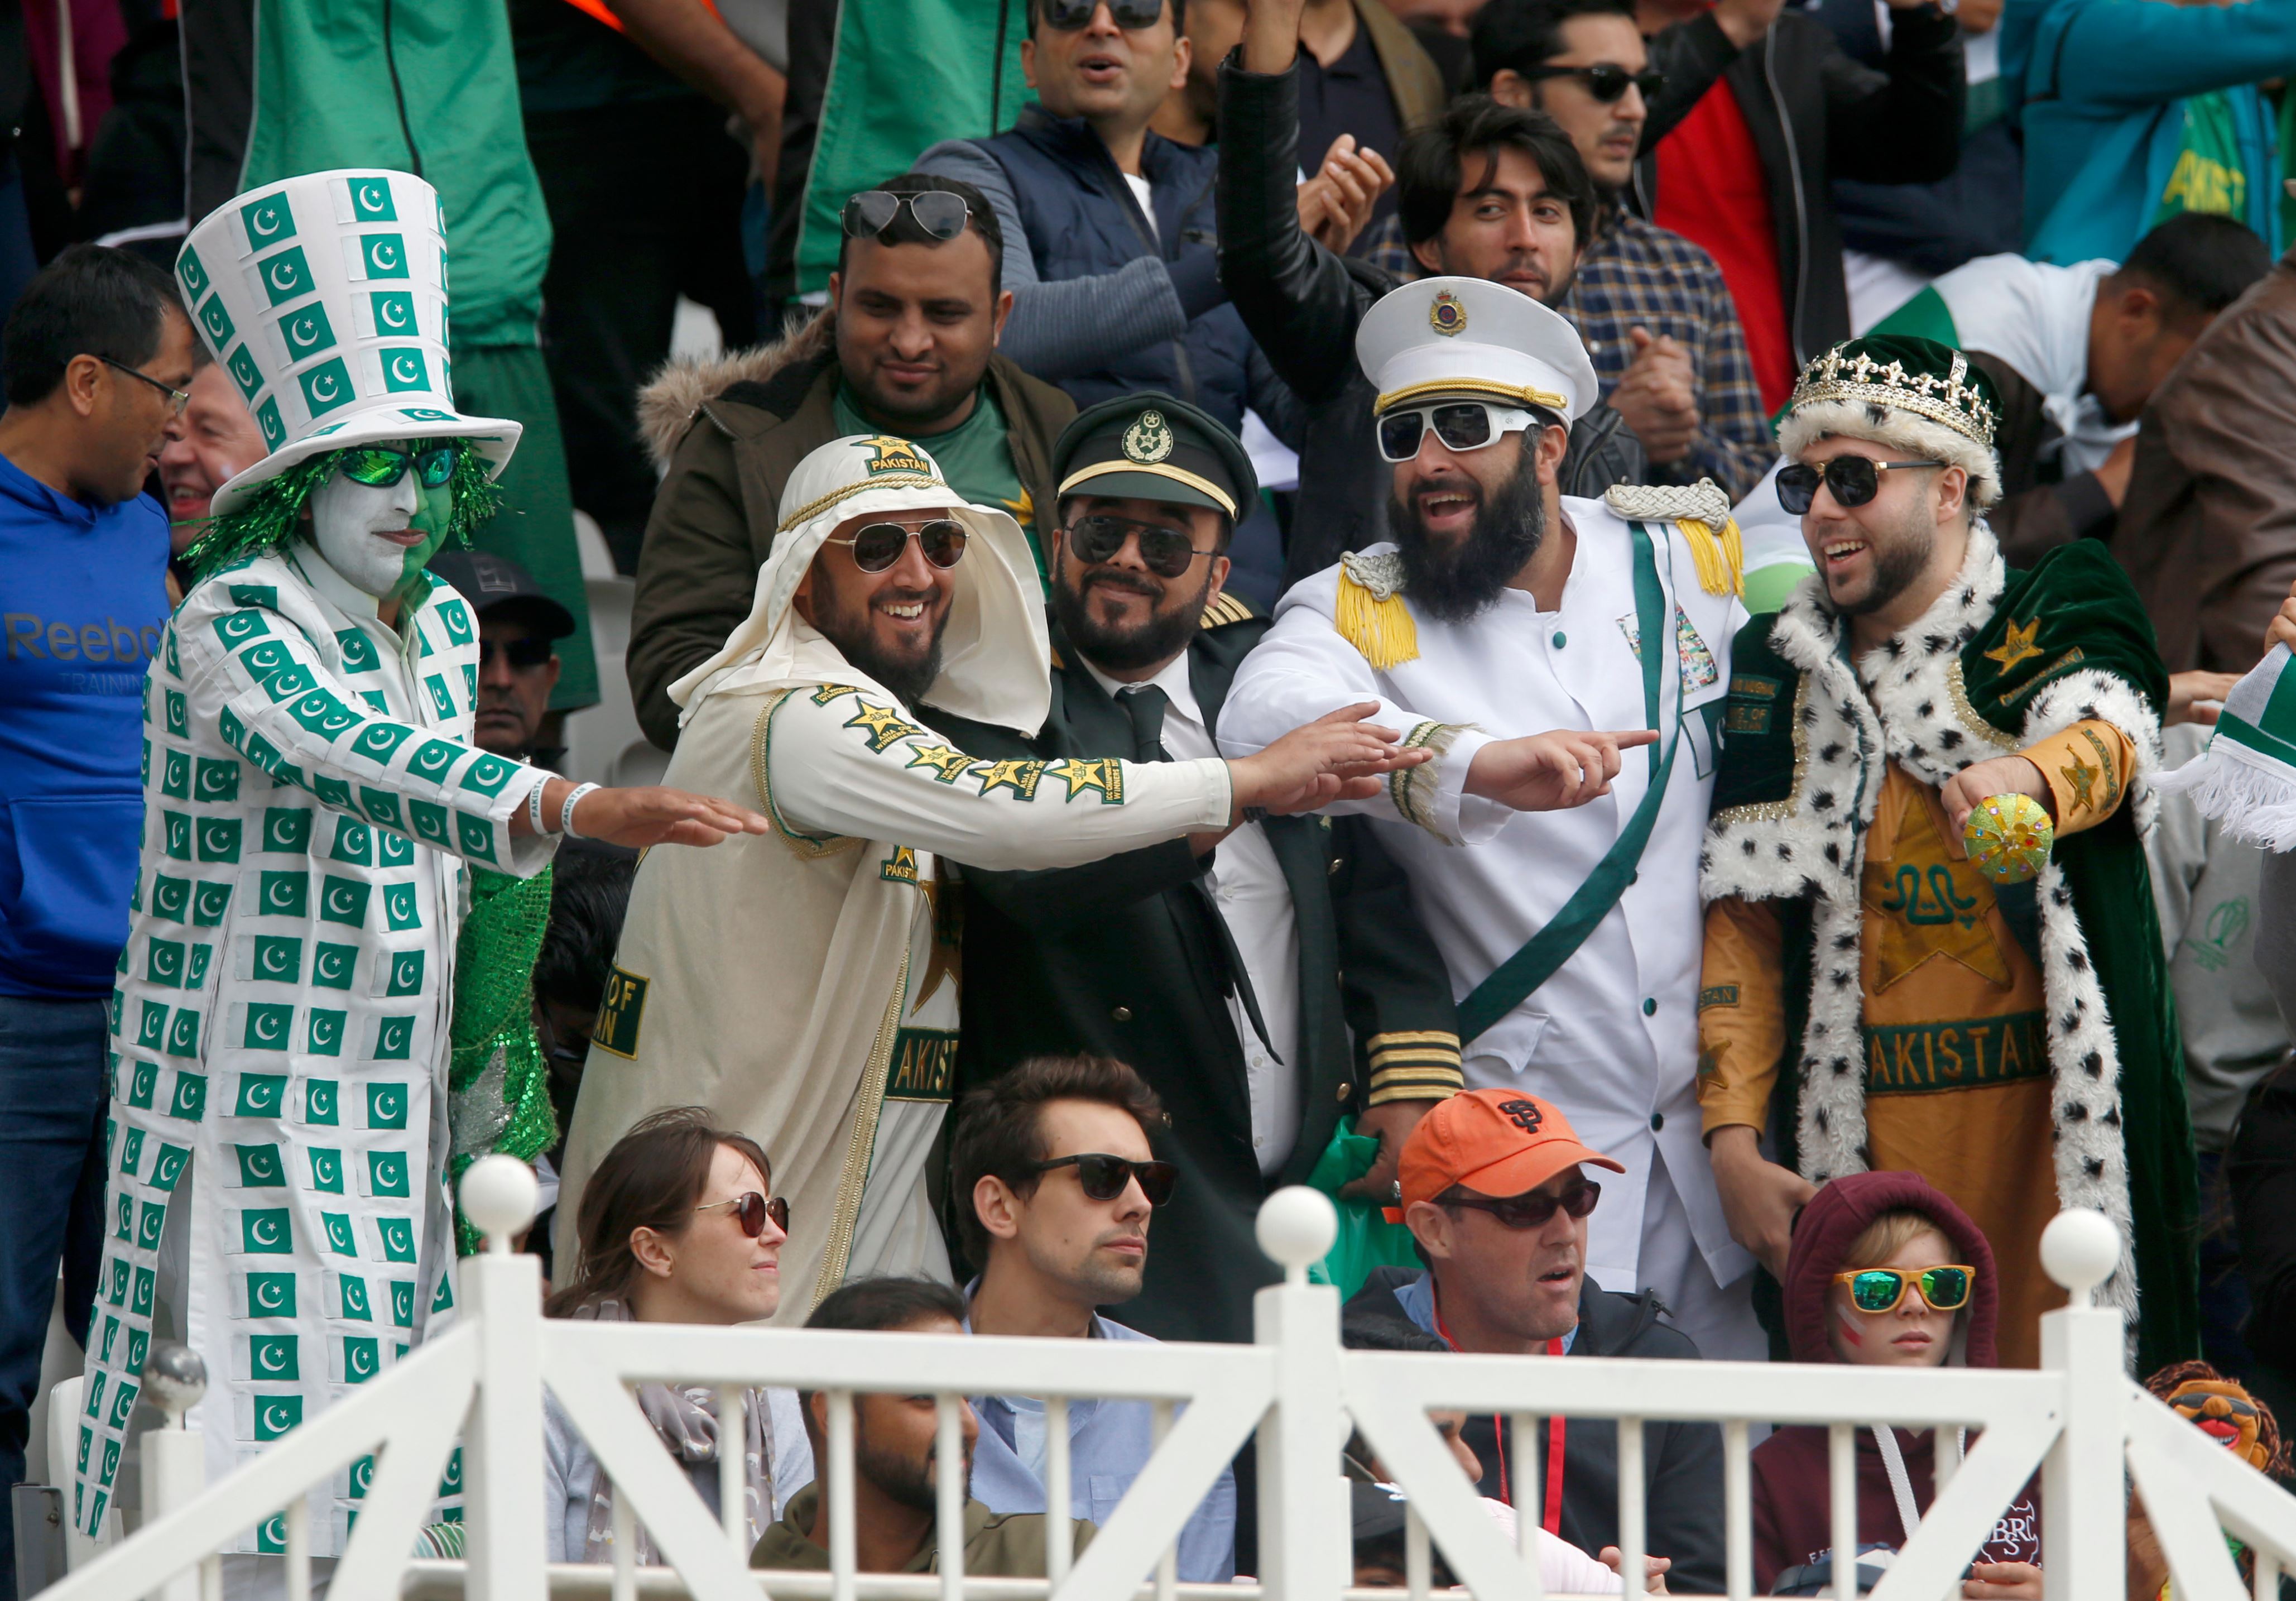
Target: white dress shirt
x: 1611, y: 1038
x: 1248, y: 890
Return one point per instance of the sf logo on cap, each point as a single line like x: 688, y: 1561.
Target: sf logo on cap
x: 1524, y: 1115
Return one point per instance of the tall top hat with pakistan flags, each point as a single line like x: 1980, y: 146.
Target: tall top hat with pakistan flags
x: 324, y: 296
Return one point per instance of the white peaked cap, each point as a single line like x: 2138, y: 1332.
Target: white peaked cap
x: 324, y: 296
x: 1468, y: 337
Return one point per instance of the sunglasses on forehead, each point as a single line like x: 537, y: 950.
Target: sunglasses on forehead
x: 1068, y: 16
x: 1606, y: 81
x: 870, y: 211
x: 752, y: 1211
x: 1103, y: 1176
x: 877, y: 545
x: 1853, y: 478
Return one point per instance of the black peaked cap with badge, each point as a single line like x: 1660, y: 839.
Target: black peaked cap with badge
x: 1151, y: 446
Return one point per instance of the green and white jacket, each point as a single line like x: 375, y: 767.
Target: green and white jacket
x: 277, y: 1138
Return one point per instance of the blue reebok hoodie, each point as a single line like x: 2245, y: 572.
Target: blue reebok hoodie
x: 83, y: 604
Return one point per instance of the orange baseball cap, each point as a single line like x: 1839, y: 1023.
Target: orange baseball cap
x: 1496, y: 1142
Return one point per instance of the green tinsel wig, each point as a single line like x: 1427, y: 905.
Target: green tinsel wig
x: 273, y: 509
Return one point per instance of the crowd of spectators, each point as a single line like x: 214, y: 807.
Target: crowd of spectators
x: 1134, y: 300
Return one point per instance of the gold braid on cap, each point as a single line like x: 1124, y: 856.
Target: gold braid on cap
x: 1948, y: 400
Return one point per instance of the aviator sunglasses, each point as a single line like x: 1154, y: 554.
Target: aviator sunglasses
x: 1103, y: 1176
x: 1880, y: 1289
x: 870, y: 211
x: 1853, y: 478
x: 1069, y: 15
x: 751, y: 1212
x: 1606, y: 81
x: 1165, y: 551
x: 1533, y: 1210
x: 378, y: 466
x: 877, y: 545
x: 1460, y: 425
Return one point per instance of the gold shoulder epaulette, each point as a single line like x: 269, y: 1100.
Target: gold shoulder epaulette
x: 1369, y: 611
x: 1701, y: 511
x: 1230, y: 607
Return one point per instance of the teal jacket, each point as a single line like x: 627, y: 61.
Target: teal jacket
x: 2100, y: 86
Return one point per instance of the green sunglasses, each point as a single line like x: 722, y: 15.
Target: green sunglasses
x: 378, y: 466
x: 1880, y: 1289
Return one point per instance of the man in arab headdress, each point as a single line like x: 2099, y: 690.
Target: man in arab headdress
x: 804, y: 986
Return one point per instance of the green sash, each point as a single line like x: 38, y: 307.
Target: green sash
x: 1513, y: 981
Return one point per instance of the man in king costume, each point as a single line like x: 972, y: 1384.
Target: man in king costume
x: 1504, y: 609
x: 804, y: 986
x: 314, y: 812
x: 1870, y: 998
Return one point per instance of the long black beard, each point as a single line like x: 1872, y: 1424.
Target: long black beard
x: 907, y: 681
x: 1509, y: 528
x: 1164, y: 635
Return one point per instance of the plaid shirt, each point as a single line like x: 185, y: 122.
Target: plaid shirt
x: 1640, y: 274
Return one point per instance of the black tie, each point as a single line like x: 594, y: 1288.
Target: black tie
x: 1145, y: 707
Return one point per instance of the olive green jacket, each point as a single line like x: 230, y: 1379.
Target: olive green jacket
x: 1007, y: 1544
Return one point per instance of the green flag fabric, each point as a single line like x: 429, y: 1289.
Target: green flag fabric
x: 906, y: 75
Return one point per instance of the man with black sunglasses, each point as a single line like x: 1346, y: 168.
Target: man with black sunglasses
x: 1494, y: 1192
x: 1228, y: 968
x: 1054, y: 1181
x: 519, y: 627
x: 1869, y: 997
x: 1658, y: 322
x: 814, y: 984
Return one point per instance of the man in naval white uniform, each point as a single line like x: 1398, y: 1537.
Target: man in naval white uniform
x: 1502, y: 609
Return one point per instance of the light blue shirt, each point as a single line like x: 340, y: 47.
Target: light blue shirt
x: 1109, y: 1443
x: 1417, y: 1299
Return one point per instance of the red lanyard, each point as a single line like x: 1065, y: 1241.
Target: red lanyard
x: 1553, y: 1520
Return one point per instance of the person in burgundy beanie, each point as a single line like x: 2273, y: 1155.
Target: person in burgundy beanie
x: 1884, y: 1271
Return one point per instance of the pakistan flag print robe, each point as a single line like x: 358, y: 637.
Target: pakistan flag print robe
x: 277, y: 1141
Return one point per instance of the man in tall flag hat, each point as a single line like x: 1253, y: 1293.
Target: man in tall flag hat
x: 315, y: 815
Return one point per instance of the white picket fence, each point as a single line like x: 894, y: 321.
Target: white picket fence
x: 2079, y: 1419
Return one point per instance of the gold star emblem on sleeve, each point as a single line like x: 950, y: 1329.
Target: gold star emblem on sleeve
x: 2018, y: 647
x: 948, y: 764
x: 829, y: 692
x: 1104, y: 775
x: 1021, y: 777
x: 881, y: 724
x: 2080, y: 775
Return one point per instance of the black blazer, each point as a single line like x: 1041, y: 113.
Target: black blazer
x: 1122, y: 958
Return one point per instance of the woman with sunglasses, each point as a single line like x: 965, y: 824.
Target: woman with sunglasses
x: 679, y: 1224
x: 1886, y: 1272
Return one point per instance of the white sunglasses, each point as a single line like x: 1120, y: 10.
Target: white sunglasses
x: 1460, y: 425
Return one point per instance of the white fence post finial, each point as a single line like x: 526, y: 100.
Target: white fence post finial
x: 1302, y: 1497
x: 2084, y: 1537
x: 1296, y: 1227
x: 502, y: 1465
x: 175, y: 1456
x: 2080, y: 1248
x: 499, y: 1196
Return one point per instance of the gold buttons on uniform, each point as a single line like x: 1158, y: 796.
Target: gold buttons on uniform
x: 1121, y: 1014
x: 1345, y: 1090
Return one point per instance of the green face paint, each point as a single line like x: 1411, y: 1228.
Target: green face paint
x: 433, y: 517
